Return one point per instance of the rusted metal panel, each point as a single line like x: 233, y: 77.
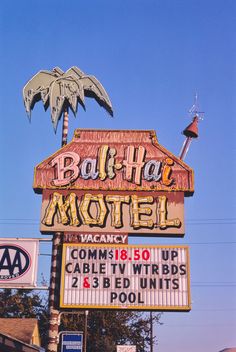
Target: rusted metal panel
x: 79, y: 211
x: 114, y: 160
x: 125, y: 277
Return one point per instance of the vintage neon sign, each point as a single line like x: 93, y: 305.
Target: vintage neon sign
x: 113, y: 181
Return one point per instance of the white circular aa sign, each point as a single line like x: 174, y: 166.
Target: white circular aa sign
x: 18, y: 262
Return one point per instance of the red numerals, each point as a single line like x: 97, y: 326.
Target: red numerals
x: 136, y: 254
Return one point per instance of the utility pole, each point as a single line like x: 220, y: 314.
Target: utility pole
x: 85, y: 329
x: 151, y: 332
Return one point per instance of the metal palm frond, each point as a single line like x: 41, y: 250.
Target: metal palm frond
x: 37, y: 88
x: 62, y: 90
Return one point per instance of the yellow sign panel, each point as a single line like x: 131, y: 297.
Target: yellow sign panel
x: 154, y: 213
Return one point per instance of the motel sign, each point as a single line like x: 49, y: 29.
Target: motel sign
x: 116, y: 182
x: 98, y: 190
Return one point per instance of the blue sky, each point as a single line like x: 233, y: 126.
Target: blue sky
x: 151, y: 56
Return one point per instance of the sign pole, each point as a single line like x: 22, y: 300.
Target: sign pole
x: 54, y: 291
x: 54, y: 294
x: 151, y: 332
x: 85, y: 330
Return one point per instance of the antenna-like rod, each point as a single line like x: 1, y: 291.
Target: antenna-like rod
x: 191, y: 131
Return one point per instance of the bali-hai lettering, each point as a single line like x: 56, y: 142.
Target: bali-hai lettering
x: 69, y: 166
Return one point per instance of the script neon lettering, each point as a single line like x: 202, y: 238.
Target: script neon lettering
x: 68, y: 167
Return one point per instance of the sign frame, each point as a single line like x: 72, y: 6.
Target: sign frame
x: 185, y: 308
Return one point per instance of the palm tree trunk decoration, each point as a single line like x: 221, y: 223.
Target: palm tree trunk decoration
x: 65, y: 127
x: 61, y: 91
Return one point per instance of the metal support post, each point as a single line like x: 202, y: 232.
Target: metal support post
x: 85, y: 330
x: 151, y: 332
x: 54, y: 321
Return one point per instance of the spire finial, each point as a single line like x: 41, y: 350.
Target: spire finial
x: 191, y: 131
x: 195, y: 109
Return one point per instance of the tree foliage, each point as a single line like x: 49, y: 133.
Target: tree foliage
x: 105, y: 328
x: 25, y: 304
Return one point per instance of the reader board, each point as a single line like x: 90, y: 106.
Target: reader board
x: 71, y: 342
x: 125, y: 277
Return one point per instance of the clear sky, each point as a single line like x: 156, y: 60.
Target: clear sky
x: 151, y: 56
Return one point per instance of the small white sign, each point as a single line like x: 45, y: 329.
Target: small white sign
x: 125, y: 348
x: 18, y: 262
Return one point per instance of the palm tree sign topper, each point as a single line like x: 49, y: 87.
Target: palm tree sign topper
x: 63, y: 90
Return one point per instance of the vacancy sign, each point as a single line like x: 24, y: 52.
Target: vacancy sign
x: 125, y: 277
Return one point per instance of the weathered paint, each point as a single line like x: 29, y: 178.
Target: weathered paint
x: 116, y: 160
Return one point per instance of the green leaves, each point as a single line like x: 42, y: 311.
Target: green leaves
x: 106, y: 329
x: 25, y: 304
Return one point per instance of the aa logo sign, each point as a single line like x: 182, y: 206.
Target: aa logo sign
x: 14, y: 262
x: 18, y: 262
